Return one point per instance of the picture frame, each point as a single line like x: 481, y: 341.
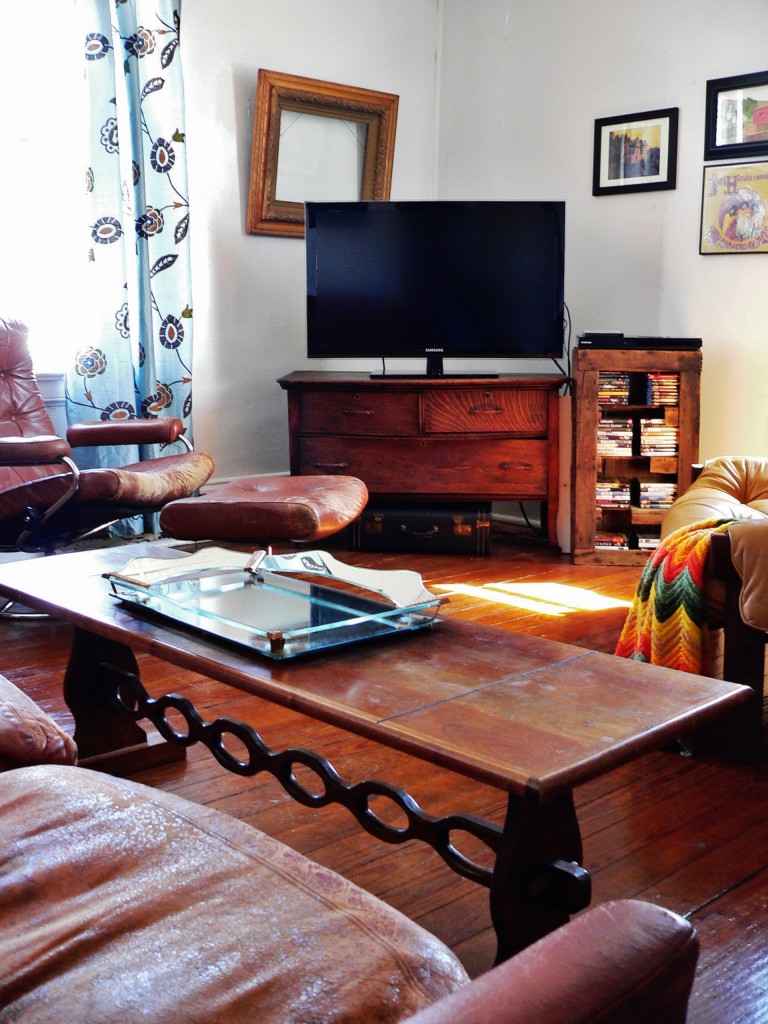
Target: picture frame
x: 736, y: 123
x: 734, y: 209
x: 635, y: 152
x: 315, y: 140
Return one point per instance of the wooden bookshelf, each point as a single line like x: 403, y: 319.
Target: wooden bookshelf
x: 615, y: 444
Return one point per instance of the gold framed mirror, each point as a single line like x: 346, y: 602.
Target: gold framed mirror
x: 314, y: 141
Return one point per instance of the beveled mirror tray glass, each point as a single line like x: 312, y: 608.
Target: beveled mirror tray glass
x: 276, y: 605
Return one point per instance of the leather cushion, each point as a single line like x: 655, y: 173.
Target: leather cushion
x: 728, y: 487
x: 123, y: 904
x: 148, y: 483
x: 27, y: 734
x: 297, y: 508
x: 22, y: 409
x: 143, y: 485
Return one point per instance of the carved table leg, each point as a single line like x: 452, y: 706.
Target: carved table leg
x: 105, y: 736
x: 537, y: 880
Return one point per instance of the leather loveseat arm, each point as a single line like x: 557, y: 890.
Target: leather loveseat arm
x: 28, y: 735
x: 625, y: 962
x: 749, y: 557
x: 163, y: 430
x: 45, y: 449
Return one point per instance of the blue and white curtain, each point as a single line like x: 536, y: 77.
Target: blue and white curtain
x: 134, y: 355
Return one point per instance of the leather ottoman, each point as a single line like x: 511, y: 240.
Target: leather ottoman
x: 266, y: 508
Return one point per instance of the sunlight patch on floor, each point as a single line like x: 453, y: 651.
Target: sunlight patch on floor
x: 555, y: 599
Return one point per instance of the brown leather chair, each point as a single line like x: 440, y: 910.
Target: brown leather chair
x: 45, y: 501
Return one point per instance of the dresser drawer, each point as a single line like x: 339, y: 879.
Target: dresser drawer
x: 358, y: 412
x: 486, y: 410
x: 494, y: 468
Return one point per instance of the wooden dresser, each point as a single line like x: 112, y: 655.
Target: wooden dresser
x: 421, y: 438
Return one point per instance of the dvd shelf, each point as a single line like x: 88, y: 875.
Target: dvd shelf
x: 658, y: 437
x: 636, y: 437
x: 614, y: 437
x: 613, y: 388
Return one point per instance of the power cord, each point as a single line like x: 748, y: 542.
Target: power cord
x: 566, y: 371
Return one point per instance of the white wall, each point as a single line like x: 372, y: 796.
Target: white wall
x: 521, y: 86
x: 249, y: 290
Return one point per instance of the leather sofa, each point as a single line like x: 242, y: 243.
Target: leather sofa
x: 121, y: 904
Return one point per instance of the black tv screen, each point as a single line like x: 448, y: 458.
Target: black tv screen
x: 473, y: 280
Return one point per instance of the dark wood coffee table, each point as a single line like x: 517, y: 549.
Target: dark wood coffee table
x: 533, y: 717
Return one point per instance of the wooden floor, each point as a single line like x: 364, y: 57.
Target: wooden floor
x: 689, y: 834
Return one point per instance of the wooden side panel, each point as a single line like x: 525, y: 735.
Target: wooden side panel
x: 586, y: 415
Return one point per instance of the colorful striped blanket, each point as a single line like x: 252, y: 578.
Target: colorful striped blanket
x: 666, y: 622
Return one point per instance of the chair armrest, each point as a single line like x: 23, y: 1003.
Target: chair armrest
x: 136, y: 431
x: 749, y: 559
x: 33, y: 451
x: 625, y: 962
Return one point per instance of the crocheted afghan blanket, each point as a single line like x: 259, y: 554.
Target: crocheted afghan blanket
x: 666, y: 622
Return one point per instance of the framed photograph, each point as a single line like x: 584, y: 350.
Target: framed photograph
x: 635, y: 152
x: 737, y: 117
x: 734, y: 201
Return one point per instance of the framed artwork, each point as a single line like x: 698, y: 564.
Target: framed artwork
x: 315, y: 140
x: 734, y: 201
x: 736, y: 124
x: 635, y: 152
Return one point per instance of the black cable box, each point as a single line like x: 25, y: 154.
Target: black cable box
x: 616, y: 339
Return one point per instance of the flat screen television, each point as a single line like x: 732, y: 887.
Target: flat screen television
x: 434, y: 279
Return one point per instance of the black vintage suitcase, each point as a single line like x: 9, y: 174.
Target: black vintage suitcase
x: 461, y: 528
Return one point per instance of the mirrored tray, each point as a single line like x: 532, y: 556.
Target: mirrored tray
x: 278, y: 605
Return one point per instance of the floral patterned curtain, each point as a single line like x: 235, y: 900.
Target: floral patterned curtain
x: 135, y: 338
